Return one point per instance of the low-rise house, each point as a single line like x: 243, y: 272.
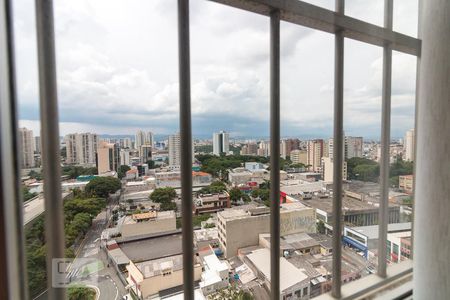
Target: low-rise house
x: 211, y: 203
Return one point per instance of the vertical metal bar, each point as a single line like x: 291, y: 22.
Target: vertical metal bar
x: 12, y: 263
x: 54, y: 214
x: 338, y: 153
x: 275, y: 154
x: 385, y: 144
x: 186, y: 147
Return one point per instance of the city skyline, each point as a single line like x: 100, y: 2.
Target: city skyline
x: 111, y: 81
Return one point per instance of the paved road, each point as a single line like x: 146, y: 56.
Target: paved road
x: 90, y: 266
x: 34, y: 208
x: 105, y: 278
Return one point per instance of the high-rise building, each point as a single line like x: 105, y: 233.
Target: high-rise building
x: 249, y: 149
x: 408, y: 145
x: 125, y: 157
x: 327, y: 169
x: 108, y: 158
x: 221, y: 143
x: 145, y: 153
x: 286, y: 146
x: 353, y: 147
x: 26, y: 143
x: 144, y: 138
x: 37, y: 144
x: 299, y: 157
x: 264, y: 148
x: 81, y: 148
x: 315, y: 154
x: 125, y: 143
x: 174, y: 150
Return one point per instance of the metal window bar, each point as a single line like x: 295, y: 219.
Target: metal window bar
x: 12, y: 263
x: 54, y: 214
x: 186, y: 148
x: 385, y: 143
x: 275, y: 154
x: 338, y: 153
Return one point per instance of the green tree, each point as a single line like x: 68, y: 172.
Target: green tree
x: 74, y: 171
x: 320, y: 227
x: 26, y: 193
x: 161, y: 195
x: 103, y: 186
x: 151, y: 164
x: 80, y: 292
x: 122, y: 171
x: 235, y: 194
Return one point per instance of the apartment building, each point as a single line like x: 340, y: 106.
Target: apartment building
x: 108, y: 157
x: 81, y: 148
x: 327, y: 169
x: 211, y: 203
x: 315, y: 153
x: 26, y: 144
x: 408, y: 145
x: 143, y: 138
x: 299, y: 157
x: 294, y: 218
x: 221, y: 143
x: 406, y: 183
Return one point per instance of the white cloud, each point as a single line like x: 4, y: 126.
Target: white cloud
x: 117, y: 69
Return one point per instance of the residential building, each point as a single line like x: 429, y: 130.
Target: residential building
x: 249, y: 149
x: 327, y: 169
x: 406, y: 183
x: 26, y: 144
x: 81, y: 148
x: 174, y: 150
x: 353, y: 147
x: 143, y: 138
x: 221, y: 143
x: 294, y: 284
x: 294, y: 218
x: 151, y: 222
x: 299, y: 157
x: 315, y: 154
x: 398, y: 246
x: 125, y: 157
x: 145, y: 153
x: 215, y: 275
x: 108, y: 157
x: 211, y: 203
x: 408, y: 145
x: 288, y: 145
x: 37, y: 144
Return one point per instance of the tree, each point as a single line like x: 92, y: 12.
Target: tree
x: 80, y: 292
x: 235, y: 194
x: 231, y: 293
x: 26, y: 193
x: 215, y: 187
x: 74, y: 171
x: 103, y: 186
x: 320, y: 227
x: 151, y: 164
x: 122, y: 171
x: 161, y: 195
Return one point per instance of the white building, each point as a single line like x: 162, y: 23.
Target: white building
x: 215, y: 274
x: 408, y: 145
x: 81, y: 148
x: 124, y: 157
x: 26, y: 144
x: 174, y: 150
x: 143, y: 138
x: 221, y: 143
x: 327, y: 169
x: 353, y: 147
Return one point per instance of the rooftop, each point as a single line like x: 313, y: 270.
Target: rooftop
x: 372, y: 231
x: 156, y: 267
x: 289, y: 274
x: 348, y: 204
x: 153, y: 248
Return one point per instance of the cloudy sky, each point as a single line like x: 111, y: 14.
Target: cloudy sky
x: 117, y: 70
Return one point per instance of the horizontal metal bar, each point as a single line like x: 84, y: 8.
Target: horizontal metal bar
x: 308, y: 15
